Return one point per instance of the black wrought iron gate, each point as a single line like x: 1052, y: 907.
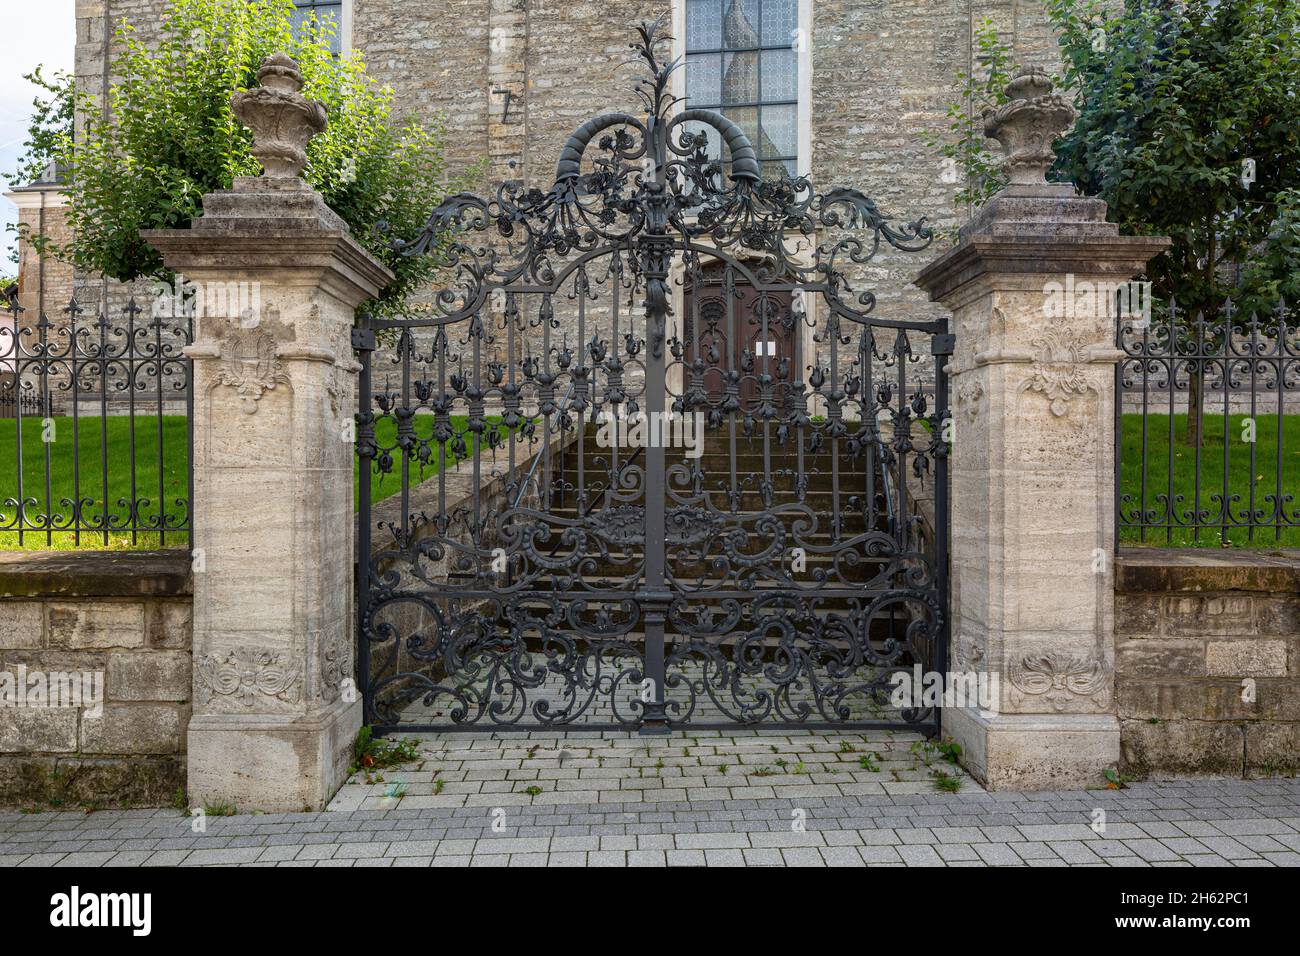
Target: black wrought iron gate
x: 645, y: 462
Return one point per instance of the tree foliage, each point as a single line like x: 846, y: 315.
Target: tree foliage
x: 169, y: 137
x: 1174, y: 100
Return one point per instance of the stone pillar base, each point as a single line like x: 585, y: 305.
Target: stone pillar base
x: 277, y: 765
x: 1034, y: 751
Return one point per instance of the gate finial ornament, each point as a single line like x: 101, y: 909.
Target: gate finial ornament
x: 283, y: 121
x: 1028, y: 125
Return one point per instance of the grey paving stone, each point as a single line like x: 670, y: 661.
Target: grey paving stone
x: 997, y: 854
x: 646, y: 858
x: 232, y: 855
x: 919, y: 854
x: 956, y: 852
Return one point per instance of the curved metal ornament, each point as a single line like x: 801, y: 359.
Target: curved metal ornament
x: 532, y: 574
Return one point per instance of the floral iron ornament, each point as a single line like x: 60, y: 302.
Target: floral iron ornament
x: 655, y: 185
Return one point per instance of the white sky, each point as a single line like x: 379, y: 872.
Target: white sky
x: 31, y: 32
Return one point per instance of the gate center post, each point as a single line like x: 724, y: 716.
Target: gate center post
x: 656, y: 253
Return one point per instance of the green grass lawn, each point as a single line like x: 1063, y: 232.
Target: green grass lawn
x: 84, y: 445
x: 1263, y: 477
x: 174, y: 482
x: 118, y: 445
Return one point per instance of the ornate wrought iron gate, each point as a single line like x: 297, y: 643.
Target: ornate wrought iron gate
x: 563, y: 546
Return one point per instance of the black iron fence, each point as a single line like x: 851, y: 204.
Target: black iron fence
x: 1208, y: 429
x: 95, y: 434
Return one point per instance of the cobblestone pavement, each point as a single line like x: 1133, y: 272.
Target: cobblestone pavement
x: 790, y: 816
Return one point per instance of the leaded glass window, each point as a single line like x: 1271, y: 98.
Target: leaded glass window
x: 325, y: 11
x: 741, y: 60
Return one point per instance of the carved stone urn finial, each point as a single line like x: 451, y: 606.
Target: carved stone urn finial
x: 1028, y: 126
x: 281, y: 118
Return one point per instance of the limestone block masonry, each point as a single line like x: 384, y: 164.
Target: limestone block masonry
x: 274, y: 708
x: 1032, y: 463
x: 117, y: 626
x: 1207, y: 652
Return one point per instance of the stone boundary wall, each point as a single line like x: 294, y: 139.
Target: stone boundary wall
x: 126, y: 617
x: 1191, y: 628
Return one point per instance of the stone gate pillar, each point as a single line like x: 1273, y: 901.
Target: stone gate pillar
x: 1030, y: 285
x: 276, y: 278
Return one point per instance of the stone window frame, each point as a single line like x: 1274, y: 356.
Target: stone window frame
x: 803, y: 109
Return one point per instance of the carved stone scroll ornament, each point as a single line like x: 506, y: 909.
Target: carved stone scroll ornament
x: 245, y: 673
x: 1057, y: 372
x: 250, y: 366
x: 1062, y: 679
x: 283, y: 121
x: 1027, y: 126
x: 335, y: 666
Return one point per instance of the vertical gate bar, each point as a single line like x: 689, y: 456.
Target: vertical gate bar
x: 868, y: 447
x: 103, y: 415
x: 696, y: 286
x: 363, y: 343
x: 1279, y: 513
x: 187, y: 370
x: 511, y: 362
x: 941, y: 355
x: 476, y: 437
x: 19, y: 366
x: 132, y: 310
x: 74, y: 338
x: 764, y: 394
x: 441, y: 343
x: 615, y: 286
x: 729, y: 293
x: 581, y: 498
x: 403, y: 409
x: 837, y: 520
x: 1119, y: 437
x: 548, y: 476
x: 904, y: 350
x: 801, y: 319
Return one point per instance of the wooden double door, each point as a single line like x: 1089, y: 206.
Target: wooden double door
x: 755, y: 338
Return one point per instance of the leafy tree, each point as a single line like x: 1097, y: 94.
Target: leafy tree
x: 1174, y: 96
x: 50, y: 126
x: 170, y: 137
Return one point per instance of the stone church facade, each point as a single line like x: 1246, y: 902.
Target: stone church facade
x: 844, y: 90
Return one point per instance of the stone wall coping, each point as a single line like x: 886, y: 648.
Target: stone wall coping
x: 81, y: 574
x: 1139, y: 570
